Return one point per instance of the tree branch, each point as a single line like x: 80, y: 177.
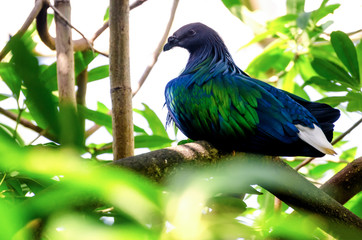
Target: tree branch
x: 27, y: 124
x: 346, y: 183
x: 65, y: 59
x: 38, y: 6
x: 158, y: 49
x: 289, y: 186
x: 119, y: 74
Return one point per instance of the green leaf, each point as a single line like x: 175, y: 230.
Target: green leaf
x: 354, y: 102
x: 154, y: 122
x: 325, y: 84
x: 355, y: 204
x: 235, y: 7
x: 39, y: 99
x: 4, y: 96
x: 6, y: 133
x: 282, y: 22
x: 295, y: 6
x: 106, y: 15
x: 152, y: 142
x: 303, y: 20
x: 261, y: 66
x: 81, y: 61
x: 333, y: 71
x: 346, y: 52
x: 12, y: 80
x: 10, y: 131
x: 98, y: 73
x: 359, y: 56
x: 333, y: 101
x: 323, y: 11
x: 299, y: 91
x: 99, y: 118
x: 304, y: 66
x: 349, y: 154
x: 288, y: 80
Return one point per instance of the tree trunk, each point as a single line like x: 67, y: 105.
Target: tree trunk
x: 121, y: 92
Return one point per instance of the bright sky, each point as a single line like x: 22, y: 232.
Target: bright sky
x: 147, y: 26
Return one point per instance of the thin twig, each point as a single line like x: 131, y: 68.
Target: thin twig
x: 106, y: 24
x: 70, y: 25
x: 27, y: 124
x: 158, y: 49
x: 34, y: 12
x: 339, y: 138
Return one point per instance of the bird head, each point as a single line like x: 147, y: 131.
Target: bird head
x: 192, y: 37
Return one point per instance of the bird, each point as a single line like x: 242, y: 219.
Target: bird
x: 214, y: 100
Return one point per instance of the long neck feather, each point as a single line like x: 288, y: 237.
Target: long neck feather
x: 211, y: 59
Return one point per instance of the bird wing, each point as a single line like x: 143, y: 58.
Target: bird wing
x: 227, y: 106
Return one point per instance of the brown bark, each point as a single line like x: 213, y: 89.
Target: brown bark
x: 346, y: 183
x: 65, y: 59
x: 119, y: 72
x: 286, y: 184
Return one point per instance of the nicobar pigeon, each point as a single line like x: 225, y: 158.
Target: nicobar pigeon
x: 216, y: 101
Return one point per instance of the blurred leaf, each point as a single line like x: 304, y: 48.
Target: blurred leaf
x: 98, y: 73
x: 326, y: 85
x: 106, y: 15
x: 81, y: 61
x: 72, y: 134
x: 304, y: 66
x: 6, y: 133
x: 354, y: 101
x: 11, y: 133
x: 323, y: 11
x: 226, y: 205
x: 359, y: 56
x: 288, y: 80
x: 261, y: 66
x: 4, y: 96
x: 9, y: 76
x: 349, y: 154
x: 98, y: 117
x: 346, y: 52
x: 15, y: 185
x: 235, y: 7
x: 333, y: 101
x: 151, y: 141
x: 303, y: 20
x: 332, y: 71
x: 281, y: 23
x: 154, y: 122
x: 39, y: 99
x: 295, y: 6
x: 299, y: 91
x: 355, y: 205
x: 318, y: 171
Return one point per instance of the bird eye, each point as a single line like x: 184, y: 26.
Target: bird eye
x: 191, y: 32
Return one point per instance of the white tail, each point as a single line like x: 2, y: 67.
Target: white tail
x: 316, y: 138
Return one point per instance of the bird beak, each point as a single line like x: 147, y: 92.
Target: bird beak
x: 172, y: 42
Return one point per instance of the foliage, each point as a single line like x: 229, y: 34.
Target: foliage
x: 53, y: 190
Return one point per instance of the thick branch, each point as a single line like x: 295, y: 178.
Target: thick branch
x: 65, y: 59
x: 346, y: 183
x: 119, y: 73
x: 289, y: 186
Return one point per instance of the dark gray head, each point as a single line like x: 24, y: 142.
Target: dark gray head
x: 192, y: 37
